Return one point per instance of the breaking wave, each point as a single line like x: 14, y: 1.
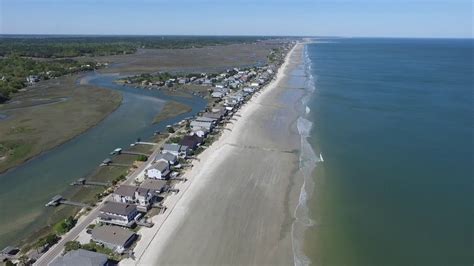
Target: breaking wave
x: 307, y: 163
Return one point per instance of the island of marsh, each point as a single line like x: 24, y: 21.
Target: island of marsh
x: 48, y: 114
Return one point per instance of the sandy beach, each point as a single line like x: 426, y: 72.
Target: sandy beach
x: 238, y: 203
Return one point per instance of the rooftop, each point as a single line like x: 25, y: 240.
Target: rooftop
x: 160, y: 166
x: 171, y: 147
x: 114, y: 235
x: 154, y: 185
x: 118, y: 208
x: 80, y: 257
x: 126, y: 190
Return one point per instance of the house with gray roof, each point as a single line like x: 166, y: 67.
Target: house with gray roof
x: 201, y: 125
x: 81, y: 257
x: 158, y: 170
x: 125, y: 194
x: 205, y: 119
x: 118, y: 213
x: 167, y: 157
x: 175, y: 149
x: 154, y: 185
x: 116, y: 238
x: 142, y: 197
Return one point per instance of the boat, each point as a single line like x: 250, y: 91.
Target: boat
x: 321, y: 157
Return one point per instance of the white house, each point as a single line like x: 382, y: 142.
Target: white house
x: 158, y: 170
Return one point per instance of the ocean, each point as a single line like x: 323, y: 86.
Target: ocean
x: 394, y: 121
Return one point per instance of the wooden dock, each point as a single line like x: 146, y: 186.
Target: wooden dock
x: 84, y: 182
x: 134, y: 153
x: 58, y: 200
x: 119, y: 151
x: 146, y: 143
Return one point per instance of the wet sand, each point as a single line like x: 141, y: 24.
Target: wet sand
x: 238, y: 205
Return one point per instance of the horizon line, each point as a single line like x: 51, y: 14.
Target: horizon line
x: 227, y: 35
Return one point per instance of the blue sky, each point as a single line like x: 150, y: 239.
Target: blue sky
x: 378, y: 18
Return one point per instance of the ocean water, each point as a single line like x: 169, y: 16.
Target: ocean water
x: 394, y: 121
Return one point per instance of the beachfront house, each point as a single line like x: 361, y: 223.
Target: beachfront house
x: 81, y: 257
x: 191, y: 141
x: 198, y: 125
x: 154, y: 185
x: 118, y: 213
x: 158, y: 170
x: 134, y: 195
x: 205, y: 119
x: 200, y: 133
x: 175, y: 149
x: 217, y: 116
x: 248, y: 90
x: 124, y: 194
x: 115, y: 238
x: 144, y: 198
x: 167, y: 157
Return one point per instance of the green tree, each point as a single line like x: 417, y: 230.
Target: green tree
x: 48, y: 240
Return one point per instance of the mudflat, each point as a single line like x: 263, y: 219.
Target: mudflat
x: 237, y: 208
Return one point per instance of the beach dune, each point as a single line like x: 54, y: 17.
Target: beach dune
x: 237, y: 207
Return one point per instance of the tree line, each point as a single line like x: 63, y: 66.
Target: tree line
x: 72, y: 46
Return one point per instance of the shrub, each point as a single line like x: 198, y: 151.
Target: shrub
x: 72, y: 245
x: 142, y: 158
x: 65, y: 225
x: 49, y: 240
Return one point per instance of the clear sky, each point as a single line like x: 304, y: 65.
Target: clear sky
x: 387, y: 18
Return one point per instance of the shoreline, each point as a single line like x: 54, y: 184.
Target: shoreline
x: 308, y: 161
x: 156, y: 238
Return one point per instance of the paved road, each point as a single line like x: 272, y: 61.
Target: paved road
x: 57, y: 249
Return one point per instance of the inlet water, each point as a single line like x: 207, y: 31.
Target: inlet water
x: 25, y: 190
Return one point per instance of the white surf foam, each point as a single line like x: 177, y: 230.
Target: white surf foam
x: 308, y: 161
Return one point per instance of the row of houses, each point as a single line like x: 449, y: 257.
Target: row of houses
x: 129, y: 203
